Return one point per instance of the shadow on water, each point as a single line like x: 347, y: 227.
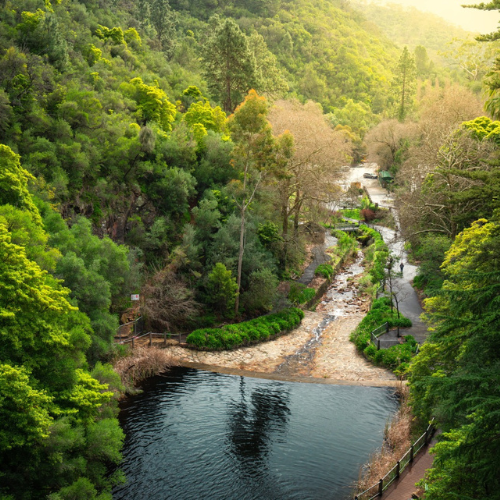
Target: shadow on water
x: 202, y: 435
x: 255, y: 420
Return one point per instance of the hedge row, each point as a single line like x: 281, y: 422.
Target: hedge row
x: 379, y: 314
x: 378, y: 252
x: 396, y: 358
x: 248, y: 332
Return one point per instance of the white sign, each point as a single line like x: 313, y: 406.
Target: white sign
x: 134, y: 297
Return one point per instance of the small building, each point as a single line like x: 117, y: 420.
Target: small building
x: 385, y: 178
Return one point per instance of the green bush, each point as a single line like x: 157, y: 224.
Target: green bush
x: 352, y: 213
x: 300, y: 294
x: 379, y: 314
x: 258, y: 329
x: 325, y: 270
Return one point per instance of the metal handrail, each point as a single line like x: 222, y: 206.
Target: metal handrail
x: 400, y: 466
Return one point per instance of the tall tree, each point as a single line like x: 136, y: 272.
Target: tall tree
x: 229, y: 64
x: 252, y: 155
x: 307, y: 177
x: 404, y: 84
x: 493, y: 81
x: 163, y: 19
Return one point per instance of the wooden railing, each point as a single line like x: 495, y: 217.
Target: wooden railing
x: 150, y: 335
x: 377, y: 490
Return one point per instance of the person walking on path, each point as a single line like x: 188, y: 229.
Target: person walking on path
x: 401, y: 266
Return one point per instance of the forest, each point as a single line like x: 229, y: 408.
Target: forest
x: 179, y: 150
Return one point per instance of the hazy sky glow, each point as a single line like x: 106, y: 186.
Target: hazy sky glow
x: 451, y: 10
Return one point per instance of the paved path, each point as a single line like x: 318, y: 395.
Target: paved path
x: 319, y: 257
x: 405, y: 487
x: 409, y: 303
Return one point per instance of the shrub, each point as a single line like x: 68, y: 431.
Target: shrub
x: 258, y: 329
x: 300, y: 294
x: 352, y: 213
x: 325, y: 270
x: 367, y: 214
x: 221, y: 288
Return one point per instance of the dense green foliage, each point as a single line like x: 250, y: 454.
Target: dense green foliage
x: 380, y: 313
x: 248, y: 332
x: 57, y: 422
x: 325, y: 270
x: 120, y: 173
x: 300, y: 294
x: 376, y: 254
x: 455, y: 376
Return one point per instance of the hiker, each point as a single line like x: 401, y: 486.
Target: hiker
x: 401, y: 266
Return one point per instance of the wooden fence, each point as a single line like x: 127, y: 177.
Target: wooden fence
x: 377, y: 490
x: 148, y: 336
x: 135, y: 328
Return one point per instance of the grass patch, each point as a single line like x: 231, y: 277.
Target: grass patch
x: 352, y: 213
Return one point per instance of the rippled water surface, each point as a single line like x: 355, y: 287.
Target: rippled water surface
x: 202, y: 435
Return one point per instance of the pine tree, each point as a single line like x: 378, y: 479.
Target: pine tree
x: 229, y: 65
x: 403, y: 85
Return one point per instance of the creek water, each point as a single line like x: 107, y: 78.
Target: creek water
x: 201, y: 435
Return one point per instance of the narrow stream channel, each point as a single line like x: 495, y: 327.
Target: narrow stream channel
x: 339, y: 300
x: 208, y: 436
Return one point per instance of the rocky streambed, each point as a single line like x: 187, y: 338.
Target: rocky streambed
x: 318, y: 349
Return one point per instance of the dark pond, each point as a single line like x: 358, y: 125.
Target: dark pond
x: 202, y: 435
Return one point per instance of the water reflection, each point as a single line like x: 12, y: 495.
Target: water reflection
x: 201, y: 435
x: 255, y: 420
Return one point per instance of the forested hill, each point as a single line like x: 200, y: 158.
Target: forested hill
x: 410, y: 26
x: 326, y: 49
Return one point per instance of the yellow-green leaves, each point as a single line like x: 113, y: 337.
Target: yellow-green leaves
x: 14, y: 183
x: 88, y: 395
x: 114, y: 34
x: 202, y: 113
x: 24, y: 411
x: 152, y: 102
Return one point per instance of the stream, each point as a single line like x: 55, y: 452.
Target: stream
x: 340, y: 300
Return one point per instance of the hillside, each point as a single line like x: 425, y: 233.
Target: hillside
x: 407, y: 25
x: 323, y: 47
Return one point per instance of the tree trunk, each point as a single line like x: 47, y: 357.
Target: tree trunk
x: 240, y: 259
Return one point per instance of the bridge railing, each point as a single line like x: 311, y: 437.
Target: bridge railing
x: 377, y: 490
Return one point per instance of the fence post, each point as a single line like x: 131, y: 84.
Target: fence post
x: 132, y: 342
x: 387, y: 328
x: 411, y: 454
x: 150, y: 339
x: 397, y: 469
x: 165, y: 338
x: 378, y: 344
x: 380, y: 487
